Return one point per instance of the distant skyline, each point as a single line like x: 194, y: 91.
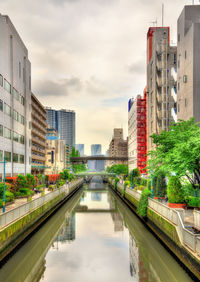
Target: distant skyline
x: 89, y: 56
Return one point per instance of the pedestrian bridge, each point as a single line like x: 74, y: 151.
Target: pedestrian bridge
x: 78, y: 160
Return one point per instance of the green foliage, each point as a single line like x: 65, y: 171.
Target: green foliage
x: 71, y: 177
x: 52, y: 187
x: 79, y: 168
x: 64, y: 174
x: 26, y: 192
x: 143, y: 203
x: 149, y: 184
x: 135, y: 173
x: 161, y: 186
x: 175, y: 192
x: 21, y: 182
x: 39, y: 187
x: 118, y: 169
x: 178, y: 150
x: 74, y: 152
x: 115, y: 183
x: 30, y: 180
x: 192, y: 201
x: 40, y: 178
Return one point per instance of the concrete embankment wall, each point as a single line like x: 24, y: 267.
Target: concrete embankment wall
x: 165, y: 231
x: 12, y: 234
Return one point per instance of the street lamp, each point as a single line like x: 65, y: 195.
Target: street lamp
x: 4, y: 185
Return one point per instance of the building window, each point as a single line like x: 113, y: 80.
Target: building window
x: 22, y: 100
x: 21, y: 159
x: 16, y: 115
x: 185, y: 78
x: 1, y: 80
x: 175, y: 59
x: 15, y: 137
x: 16, y: 94
x: 21, y: 139
x: 185, y: 102
x: 7, y: 109
x: 7, y: 86
x: 1, y: 155
x: 1, y: 130
x: 1, y: 105
x: 15, y: 158
x: 7, y: 133
x: 178, y: 64
x: 21, y: 119
x: 185, y: 54
x: 179, y: 37
x: 178, y: 86
x: 7, y: 156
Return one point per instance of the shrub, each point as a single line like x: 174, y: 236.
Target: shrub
x: 143, y: 181
x: 40, y: 178
x: 149, y: 184
x: 21, y: 182
x: 115, y: 183
x: 161, y: 186
x: 143, y: 203
x: 192, y: 201
x: 9, y: 196
x: 26, y: 191
x: 175, y: 192
x: 31, y: 182
x: 39, y: 187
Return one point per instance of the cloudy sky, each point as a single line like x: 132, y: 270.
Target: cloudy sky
x: 89, y: 55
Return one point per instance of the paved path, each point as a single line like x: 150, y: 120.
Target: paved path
x: 21, y: 201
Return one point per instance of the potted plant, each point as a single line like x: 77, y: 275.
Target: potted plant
x: 175, y: 193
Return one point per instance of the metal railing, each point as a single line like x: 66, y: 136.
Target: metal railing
x: 134, y: 193
x: 12, y: 215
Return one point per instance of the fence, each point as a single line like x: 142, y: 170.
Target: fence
x: 10, y: 216
x: 197, y: 219
x: 134, y: 193
x: 187, y: 237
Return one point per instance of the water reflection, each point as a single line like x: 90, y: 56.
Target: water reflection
x: 94, y: 237
x: 96, y: 182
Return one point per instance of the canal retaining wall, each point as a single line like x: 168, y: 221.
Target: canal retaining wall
x: 19, y: 223
x: 167, y: 225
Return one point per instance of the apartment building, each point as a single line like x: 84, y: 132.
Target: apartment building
x: 188, y: 53
x: 64, y: 122
x: 38, y: 133
x: 137, y: 133
x: 118, y: 147
x: 15, y: 101
x: 161, y: 58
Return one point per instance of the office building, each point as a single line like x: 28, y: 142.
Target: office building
x: 95, y: 149
x: 64, y: 122
x: 188, y: 51
x: 38, y: 133
x: 118, y: 147
x: 15, y: 101
x: 80, y: 148
x: 137, y: 139
x: 161, y: 58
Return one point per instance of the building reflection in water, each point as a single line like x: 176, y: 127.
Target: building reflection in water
x: 67, y: 233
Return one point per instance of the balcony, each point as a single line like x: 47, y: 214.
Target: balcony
x: 38, y: 126
x: 141, y: 117
x: 141, y: 103
x: 37, y: 133
x: 38, y: 158
x: 37, y: 149
x: 141, y: 110
x: 141, y: 124
x: 159, y: 81
x: 174, y: 114
x: 174, y: 73
x: 174, y: 93
x: 38, y: 141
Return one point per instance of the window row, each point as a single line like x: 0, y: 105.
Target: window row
x: 7, y: 133
x: 16, y: 158
x: 7, y: 86
x: 8, y: 111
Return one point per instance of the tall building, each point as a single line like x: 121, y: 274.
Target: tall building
x: 161, y: 58
x: 118, y: 147
x: 15, y: 101
x: 95, y: 149
x: 64, y: 122
x: 38, y: 132
x: 80, y: 148
x: 137, y: 138
x: 188, y: 50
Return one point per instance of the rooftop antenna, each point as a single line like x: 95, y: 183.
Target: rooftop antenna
x: 163, y: 14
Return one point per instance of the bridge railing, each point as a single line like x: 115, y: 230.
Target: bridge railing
x: 12, y: 215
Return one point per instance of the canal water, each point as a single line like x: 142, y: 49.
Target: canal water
x: 93, y: 237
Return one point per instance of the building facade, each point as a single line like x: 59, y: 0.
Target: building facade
x: 161, y: 58
x: 95, y: 149
x: 80, y: 148
x: 137, y: 133
x: 118, y: 147
x: 188, y: 50
x: 15, y: 101
x: 64, y: 122
x: 38, y: 133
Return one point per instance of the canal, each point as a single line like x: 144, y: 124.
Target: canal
x: 93, y: 237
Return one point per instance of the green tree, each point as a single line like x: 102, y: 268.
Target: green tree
x: 21, y: 182
x: 143, y: 203
x: 178, y: 151
x: 118, y: 169
x: 175, y: 192
x: 161, y: 186
x: 30, y: 180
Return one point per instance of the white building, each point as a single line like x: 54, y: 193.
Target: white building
x: 132, y: 134
x: 15, y: 101
x: 188, y: 55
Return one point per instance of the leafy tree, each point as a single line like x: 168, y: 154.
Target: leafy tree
x: 118, y: 169
x: 30, y: 180
x: 161, y: 186
x: 143, y: 203
x: 64, y: 174
x: 175, y: 192
x: 178, y: 151
x: 21, y: 182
